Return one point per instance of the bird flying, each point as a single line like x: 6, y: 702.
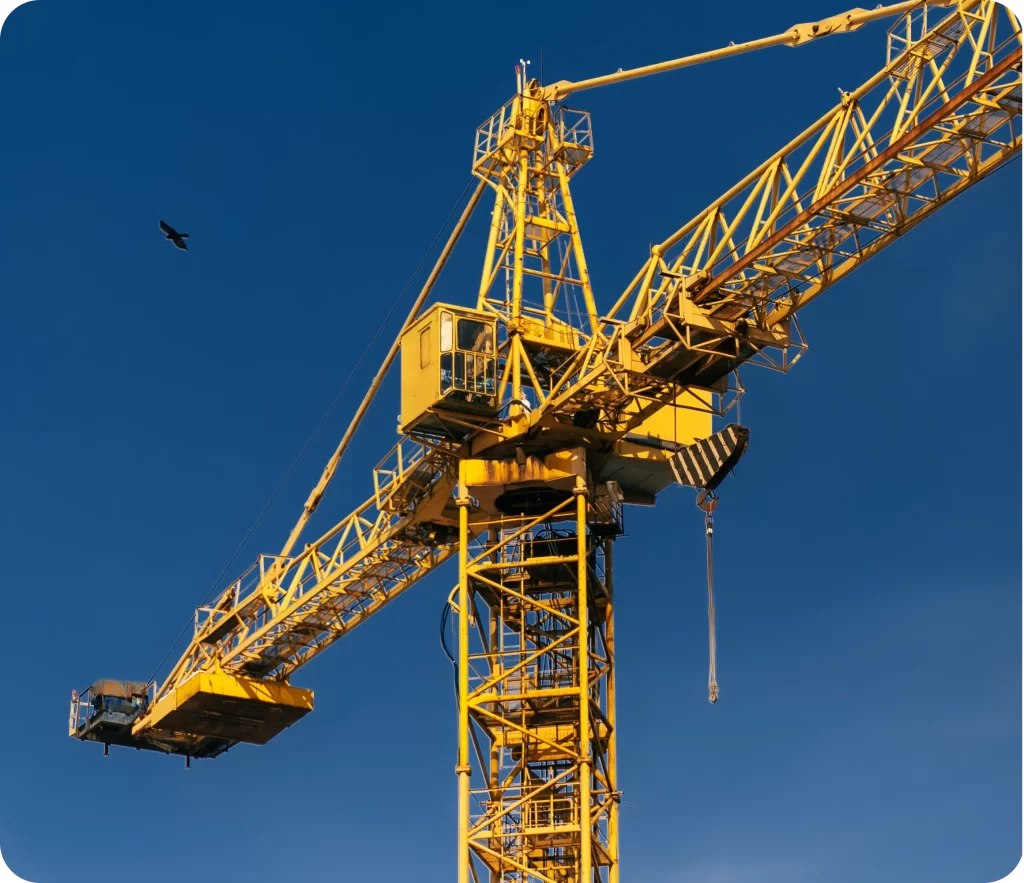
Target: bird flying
x: 177, y: 238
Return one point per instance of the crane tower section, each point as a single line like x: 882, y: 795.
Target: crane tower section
x: 537, y: 783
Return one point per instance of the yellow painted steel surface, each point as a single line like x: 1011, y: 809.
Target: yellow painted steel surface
x: 219, y: 705
x: 560, y: 467
x: 686, y: 420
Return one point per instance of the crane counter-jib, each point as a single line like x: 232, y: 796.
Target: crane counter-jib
x: 290, y: 610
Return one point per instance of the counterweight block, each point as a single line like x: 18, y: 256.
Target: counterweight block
x: 223, y: 706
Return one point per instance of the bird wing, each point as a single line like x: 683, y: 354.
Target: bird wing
x: 168, y: 229
x: 178, y: 241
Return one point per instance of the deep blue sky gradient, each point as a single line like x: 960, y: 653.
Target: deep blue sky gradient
x: 867, y: 552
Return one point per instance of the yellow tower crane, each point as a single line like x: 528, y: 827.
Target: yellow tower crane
x: 529, y: 421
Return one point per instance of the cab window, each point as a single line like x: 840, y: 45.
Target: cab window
x: 474, y: 337
x: 446, y: 332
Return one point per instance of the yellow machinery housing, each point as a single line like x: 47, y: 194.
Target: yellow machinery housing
x: 448, y: 371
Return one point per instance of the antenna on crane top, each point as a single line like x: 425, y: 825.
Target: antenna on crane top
x: 521, y: 78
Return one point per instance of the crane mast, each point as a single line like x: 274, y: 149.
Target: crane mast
x: 530, y: 421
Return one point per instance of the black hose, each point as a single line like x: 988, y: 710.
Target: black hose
x: 444, y: 646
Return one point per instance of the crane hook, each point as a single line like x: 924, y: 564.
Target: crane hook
x: 707, y: 501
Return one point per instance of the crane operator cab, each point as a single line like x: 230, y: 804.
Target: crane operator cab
x: 449, y: 384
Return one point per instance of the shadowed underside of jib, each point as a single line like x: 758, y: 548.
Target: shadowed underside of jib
x: 212, y: 710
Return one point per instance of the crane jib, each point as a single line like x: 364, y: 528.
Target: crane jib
x: 1011, y: 61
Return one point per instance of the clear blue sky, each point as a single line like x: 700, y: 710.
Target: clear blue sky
x: 868, y: 550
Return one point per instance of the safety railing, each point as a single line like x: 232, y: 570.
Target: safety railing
x: 575, y: 138
x: 407, y: 473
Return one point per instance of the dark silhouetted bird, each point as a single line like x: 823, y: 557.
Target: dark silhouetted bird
x: 177, y: 238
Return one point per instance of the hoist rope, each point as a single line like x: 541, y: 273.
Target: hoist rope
x: 319, y: 425
x: 712, y: 682
x: 708, y: 502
